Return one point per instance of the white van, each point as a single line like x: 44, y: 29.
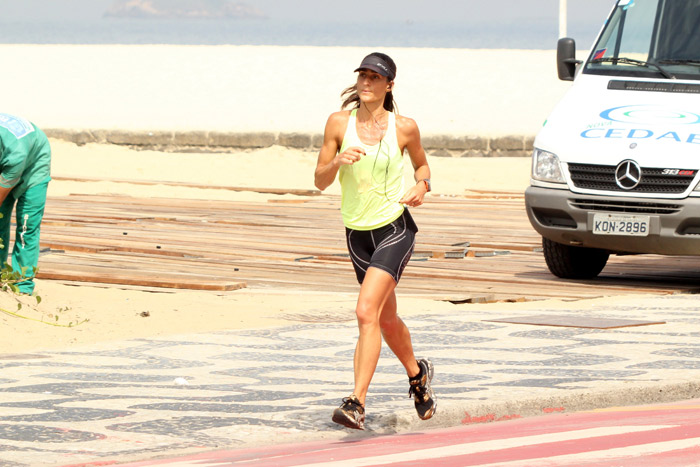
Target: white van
x: 616, y: 166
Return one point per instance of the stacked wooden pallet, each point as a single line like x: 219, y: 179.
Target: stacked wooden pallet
x: 472, y: 248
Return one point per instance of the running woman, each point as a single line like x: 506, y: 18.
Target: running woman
x: 25, y: 172
x: 364, y: 147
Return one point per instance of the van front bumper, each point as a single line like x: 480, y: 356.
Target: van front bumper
x: 566, y: 217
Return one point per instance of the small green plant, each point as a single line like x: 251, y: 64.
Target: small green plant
x: 9, y: 279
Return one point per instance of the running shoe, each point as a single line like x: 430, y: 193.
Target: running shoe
x: 421, y: 391
x: 350, y: 413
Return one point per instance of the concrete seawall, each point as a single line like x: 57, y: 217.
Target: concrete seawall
x: 216, y: 141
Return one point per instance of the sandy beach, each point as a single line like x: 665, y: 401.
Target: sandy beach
x: 261, y: 88
x: 459, y: 92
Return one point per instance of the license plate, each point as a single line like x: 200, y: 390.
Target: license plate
x: 618, y: 224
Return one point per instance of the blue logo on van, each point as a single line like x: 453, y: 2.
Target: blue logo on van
x: 650, y: 115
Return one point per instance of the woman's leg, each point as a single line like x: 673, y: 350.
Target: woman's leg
x: 377, y: 287
x: 397, y: 336
x: 420, y: 374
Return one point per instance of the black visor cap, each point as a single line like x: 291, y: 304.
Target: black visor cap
x: 378, y: 65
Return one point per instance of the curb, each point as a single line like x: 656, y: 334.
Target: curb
x: 216, y: 141
x: 452, y: 414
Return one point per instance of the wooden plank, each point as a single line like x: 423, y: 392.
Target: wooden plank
x: 274, y: 191
x: 301, y: 246
x: 121, y: 276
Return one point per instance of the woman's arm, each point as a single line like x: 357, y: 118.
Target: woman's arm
x: 409, y: 138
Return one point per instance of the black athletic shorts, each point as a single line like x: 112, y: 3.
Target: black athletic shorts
x: 388, y: 248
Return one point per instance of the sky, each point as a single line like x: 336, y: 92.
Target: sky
x: 336, y: 10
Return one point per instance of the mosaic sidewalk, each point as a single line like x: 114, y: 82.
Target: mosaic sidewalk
x: 142, y: 399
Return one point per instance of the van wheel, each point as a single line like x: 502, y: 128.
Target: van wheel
x: 573, y: 262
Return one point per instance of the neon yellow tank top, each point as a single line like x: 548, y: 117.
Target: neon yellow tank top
x: 373, y: 186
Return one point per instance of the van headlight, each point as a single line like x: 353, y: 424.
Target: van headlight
x: 546, y: 167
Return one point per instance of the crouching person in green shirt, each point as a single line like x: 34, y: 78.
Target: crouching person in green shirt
x: 25, y: 172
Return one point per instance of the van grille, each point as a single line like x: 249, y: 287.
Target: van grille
x: 633, y: 207
x: 602, y: 178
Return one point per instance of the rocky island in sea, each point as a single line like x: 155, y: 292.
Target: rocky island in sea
x: 182, y: 9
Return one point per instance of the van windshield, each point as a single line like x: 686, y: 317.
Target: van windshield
x: 650, y: 38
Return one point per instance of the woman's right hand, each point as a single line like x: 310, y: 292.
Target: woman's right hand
x: 349, y: 156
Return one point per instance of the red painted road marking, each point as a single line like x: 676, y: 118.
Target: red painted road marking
x: 485, y: 452
x: 469, y: 420
x: 631, y: 456
x: 597, y: 438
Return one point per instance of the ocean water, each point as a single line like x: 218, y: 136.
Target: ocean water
x: 526, y: 34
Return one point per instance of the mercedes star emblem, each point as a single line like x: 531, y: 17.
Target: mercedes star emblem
x: 628, y: 174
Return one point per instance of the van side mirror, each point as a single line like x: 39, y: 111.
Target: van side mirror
x: 566, y: 59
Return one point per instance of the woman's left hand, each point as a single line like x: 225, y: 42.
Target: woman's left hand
x: 414, y: 196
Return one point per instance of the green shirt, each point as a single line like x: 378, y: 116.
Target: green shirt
x: 373, y: 186
x: 25, y: 155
